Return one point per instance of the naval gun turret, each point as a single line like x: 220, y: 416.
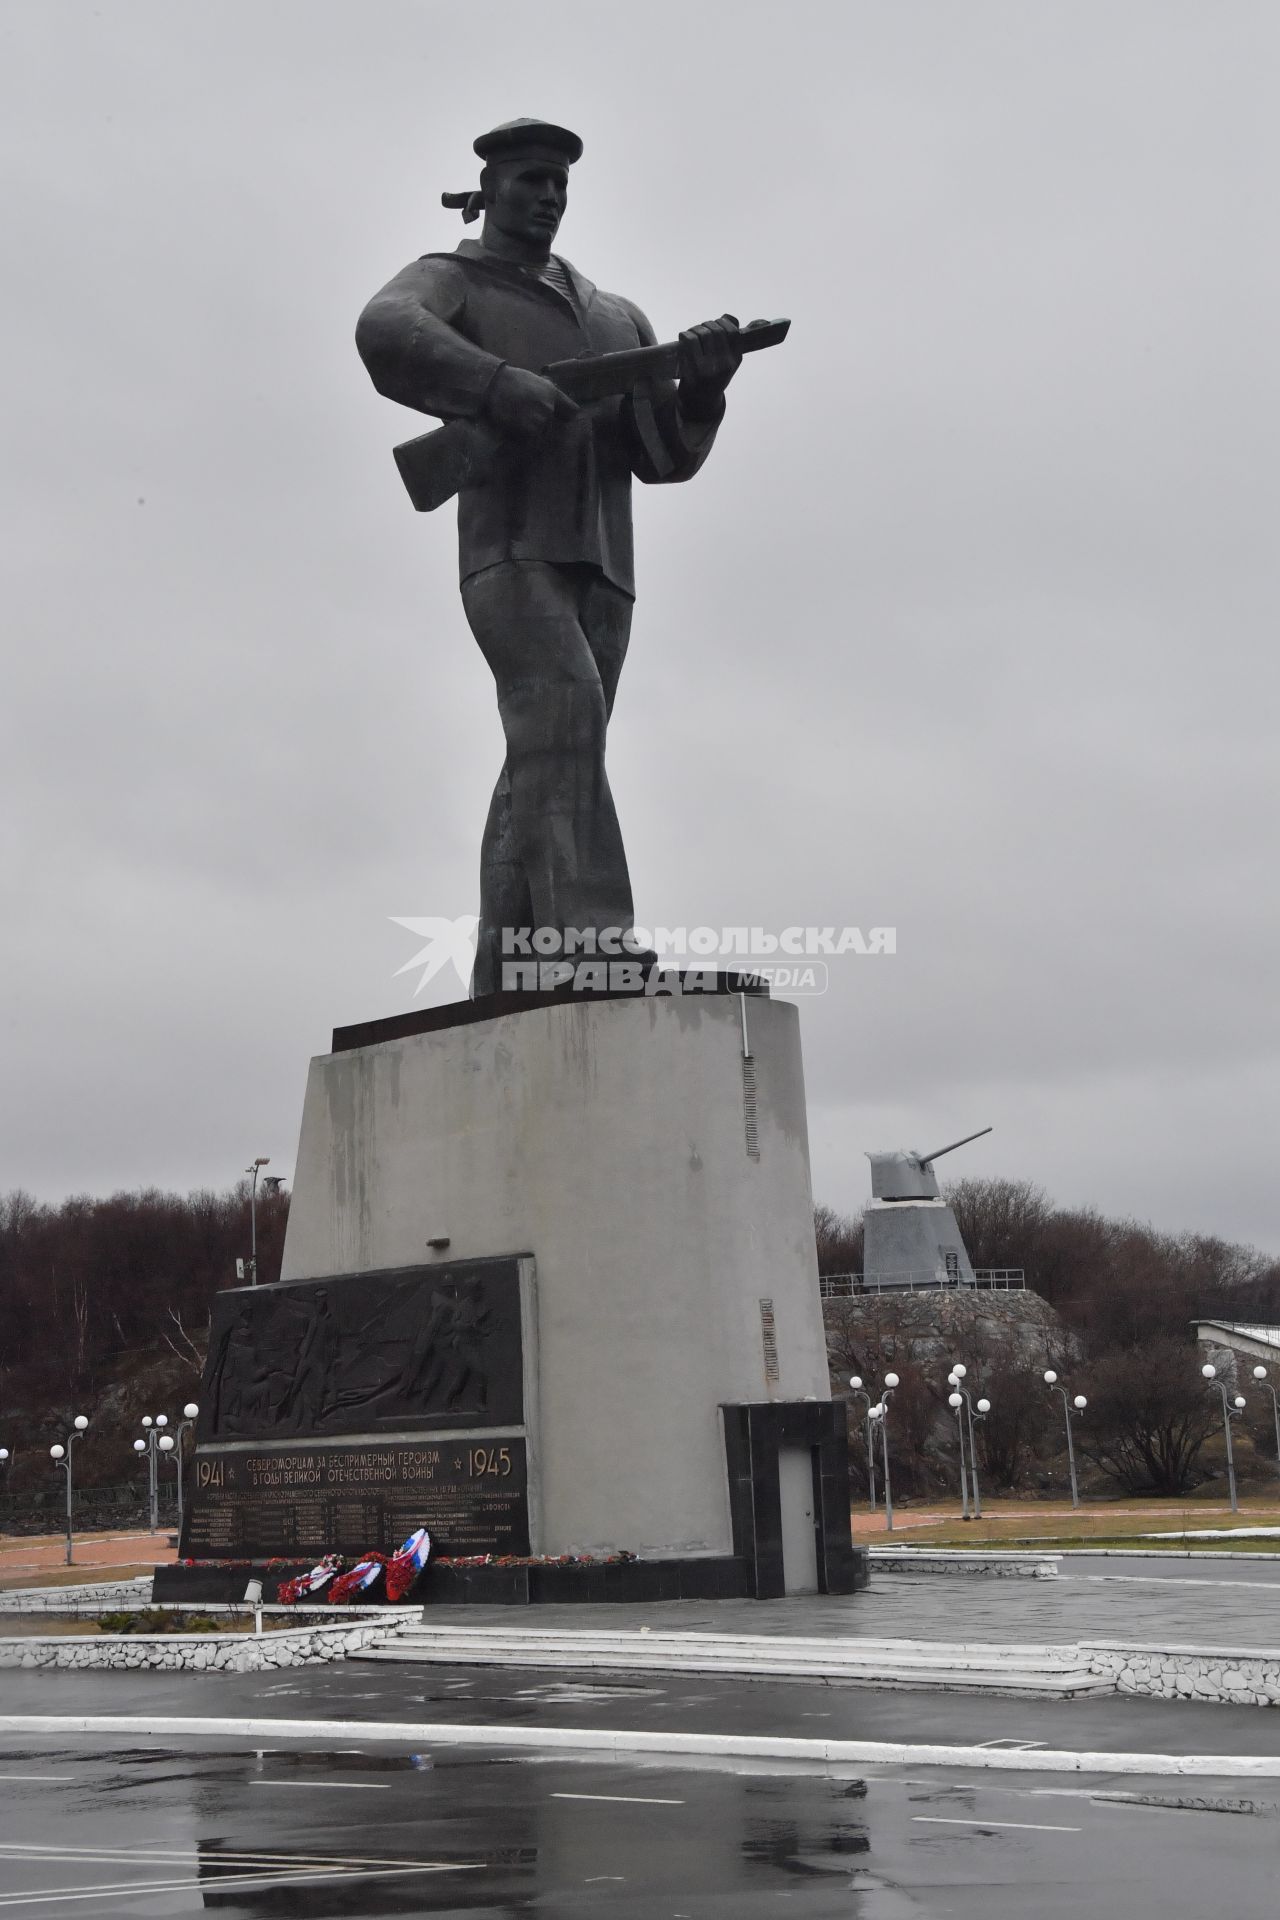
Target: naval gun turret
x: 912, y: 1238
x: 902, y: 1175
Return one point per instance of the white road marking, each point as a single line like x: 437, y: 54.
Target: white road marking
x: 225, y: 1883
x: 354, y: 1786
x: 1023, y: 1826
x: 630, y: 1799
x: 151, y: 1855
x: 204, y: 1884
x: 1172, y: 1580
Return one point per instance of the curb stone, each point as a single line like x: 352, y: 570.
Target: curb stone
x: 672, y: 1747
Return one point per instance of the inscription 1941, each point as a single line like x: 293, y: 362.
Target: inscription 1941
x: 472, y: 1495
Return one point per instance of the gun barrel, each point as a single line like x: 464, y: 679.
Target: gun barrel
x: 597, y: 376
x: 925, y: 1158
x: 435, y: 465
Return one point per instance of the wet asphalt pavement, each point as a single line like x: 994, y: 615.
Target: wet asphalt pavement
x: 268, y: 1833
x: 263, y: 1830
x: 358, y: 1690
x: 1196, y: 1570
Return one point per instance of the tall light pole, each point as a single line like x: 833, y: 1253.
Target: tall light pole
x: 880, y: 1414
x: 62, y: 1454
x: 1260, y: 1375
x: 263, y: 1160
x: 860, y: 1393
x: 958, y: 1374
x: 155, y: 1436
x: 955, y: 1400
x: 165, y: 1444
x: 1230, y: 1408
x: 188, y: 1420
x: 1079, y: 1403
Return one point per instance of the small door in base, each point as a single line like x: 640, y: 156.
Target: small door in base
x: 799, y: 1535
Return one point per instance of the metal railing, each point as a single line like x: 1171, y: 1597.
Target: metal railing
x: 845, y: 1286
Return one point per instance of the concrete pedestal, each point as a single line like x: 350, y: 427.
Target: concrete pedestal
x: 651, y: 1157
x: 913, y: 1243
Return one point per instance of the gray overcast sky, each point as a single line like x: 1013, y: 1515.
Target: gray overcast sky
x: 968, y: 627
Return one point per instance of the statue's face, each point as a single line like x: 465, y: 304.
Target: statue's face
x: 527, y: 198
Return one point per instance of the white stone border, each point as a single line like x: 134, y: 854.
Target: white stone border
x: 607, y: 1743
x: 309, y: 1645
x: 1231, y: 1676
x: 95, y: 1596
x: 994, y: 1562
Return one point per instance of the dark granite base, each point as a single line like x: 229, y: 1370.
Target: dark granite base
x: 210, y: 1585
x: 626, y: 1583
x: 495, y: 1006
x: 754, y: 1432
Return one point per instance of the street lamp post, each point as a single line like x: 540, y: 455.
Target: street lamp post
x: 880, y: 1414
x: 1230, y: 1408
x: 188, y: 1420
x: 155, y: 1438
x: 860, y: 1393
x: 1079, y: 1403
x: 166, y: 1445
x: 958, y: 1374
x: 955, y: 1400
x: 263, y: 1160
x: 1260, y: 1375
x: 62, y: 1454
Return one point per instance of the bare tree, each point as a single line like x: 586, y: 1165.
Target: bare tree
x: 1018, y: 1426
x: 839, y: 1238
x: 191, y: 1350
x: 1148, y: 1417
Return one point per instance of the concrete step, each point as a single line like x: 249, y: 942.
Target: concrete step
x: 712, y: 1650
x: 709, y: 1659
x: 712, y: 1646
x: 1040, y: 1672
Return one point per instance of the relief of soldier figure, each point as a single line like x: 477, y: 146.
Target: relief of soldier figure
x: 403, y: 1349
x: 496, y: 338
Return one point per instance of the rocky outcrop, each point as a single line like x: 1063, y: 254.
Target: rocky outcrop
x: 949, y: 1322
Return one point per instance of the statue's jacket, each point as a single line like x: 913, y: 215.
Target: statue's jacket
x: 435, y: 338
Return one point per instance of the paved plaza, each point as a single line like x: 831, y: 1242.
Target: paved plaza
x: 1194, y: 1603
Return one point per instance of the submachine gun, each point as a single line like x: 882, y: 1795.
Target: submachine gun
x: 436, y: 465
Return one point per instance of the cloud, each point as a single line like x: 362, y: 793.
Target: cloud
x: 967, y: 628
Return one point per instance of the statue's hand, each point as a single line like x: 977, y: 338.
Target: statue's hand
x: 709, y: 358
x: 524, y: 405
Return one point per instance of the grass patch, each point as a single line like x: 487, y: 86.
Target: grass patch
x: 1059, y: 1542
x: 146, y: 1620
x: 77, y: 1576
x: 1100, y: 1525
x: 161, y: 1620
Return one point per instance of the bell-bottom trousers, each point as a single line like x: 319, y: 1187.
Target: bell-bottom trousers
x: 555, y: 638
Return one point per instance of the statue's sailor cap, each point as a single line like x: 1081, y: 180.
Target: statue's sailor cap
x: 518, y: 136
